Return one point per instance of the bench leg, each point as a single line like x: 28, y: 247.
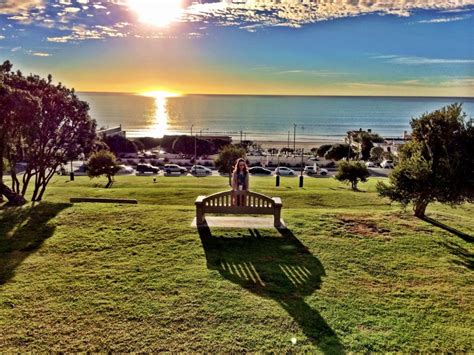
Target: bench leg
x: 200, y: 218
x: 277, y: 217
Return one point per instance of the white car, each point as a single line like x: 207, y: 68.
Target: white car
x: 387, y: 164
x: 284, y: 171
x: 370, y: 164
x: 124, y: 170
x: 199, y: 170
x: 310, y: 170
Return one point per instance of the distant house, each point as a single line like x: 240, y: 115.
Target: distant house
x: 110, y: 132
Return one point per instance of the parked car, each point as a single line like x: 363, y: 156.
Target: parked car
x: 258, y: 170
x: 284, y: 171
x: 147, y: 168
x: 370, y: 164
x: 199, y: 170
x: 81, y: 170
x: 125, y: 170
x: 174, y: 168
x: 311, y: 170
x: 387, y: 164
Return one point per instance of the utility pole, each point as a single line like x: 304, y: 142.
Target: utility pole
x: 241, y: 137
x: 288, y: 140
x: 294, y: 137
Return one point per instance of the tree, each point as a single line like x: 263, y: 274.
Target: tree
x: 366, y: 145
x: 437, y: 165
x: 45, y: 127
x: 322, y: 150
x: 352, y: 172
x: 120, y: 144
x: 339, y: 151
x: 187, y: 144
x: 103, y: 163
x: 227, y: 158
x: 376, y: 154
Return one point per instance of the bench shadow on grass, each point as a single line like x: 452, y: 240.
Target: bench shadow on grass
x: 277, y: 267
x: 22, y: 231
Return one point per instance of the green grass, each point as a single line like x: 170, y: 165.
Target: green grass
x: 352, y: 273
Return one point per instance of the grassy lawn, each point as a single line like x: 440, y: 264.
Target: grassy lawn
x: 352, y: 273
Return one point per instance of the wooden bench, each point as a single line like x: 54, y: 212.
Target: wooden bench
x: 224, y: 203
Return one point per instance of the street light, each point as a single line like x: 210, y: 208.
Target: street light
x: 192, y: 130
x: 302, y: 163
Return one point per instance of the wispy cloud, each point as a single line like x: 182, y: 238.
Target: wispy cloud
x: 40, y: 54
x: 395, y: 59
x: 446, y: 19
x: 320, y: 73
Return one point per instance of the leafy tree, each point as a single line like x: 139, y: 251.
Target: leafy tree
x: 46, y: 126
x: 185, y: 145
x: 227, y: 158
x: 352, y: 172
x: 366, y: 145
x: 376, y: 154
x: 339, y: 151
x: 437, y: 165
x: 103, y: 163
x: 119, y: 144
x: 322, y: 150
x: 148, y: 142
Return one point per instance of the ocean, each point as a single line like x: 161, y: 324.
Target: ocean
x: 265, y: 118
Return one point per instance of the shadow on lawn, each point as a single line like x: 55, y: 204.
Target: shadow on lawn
x: 466, y: 237
x: 280, y: 268
x: 22, y: 231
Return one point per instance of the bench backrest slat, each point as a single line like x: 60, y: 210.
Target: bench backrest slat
x: 222, y: 202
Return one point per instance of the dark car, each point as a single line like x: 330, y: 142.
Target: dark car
x: 147, y: 168
x: 258, y: 170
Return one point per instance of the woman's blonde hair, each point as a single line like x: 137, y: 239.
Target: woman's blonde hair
x: 236, y: 166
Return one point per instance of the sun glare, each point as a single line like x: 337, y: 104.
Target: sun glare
x: 157, y: 12
x: 158, y: 126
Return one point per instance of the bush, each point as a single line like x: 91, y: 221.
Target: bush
x: 322, y: 150
x: 101, y: 163
x: 339, y: 151
x: 352, y: 172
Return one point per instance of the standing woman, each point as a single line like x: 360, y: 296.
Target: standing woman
x: 240, y: 183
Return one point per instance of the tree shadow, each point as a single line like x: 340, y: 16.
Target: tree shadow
x: 22, y: 231
x: 463, y: 256
x: 276, y: 267
x: 466, y: 237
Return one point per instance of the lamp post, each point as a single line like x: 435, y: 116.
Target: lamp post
x: 192, y: 130
x: 301, y: 176
x: 294, y: 137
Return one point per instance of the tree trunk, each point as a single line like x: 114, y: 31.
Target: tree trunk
x: 110, y: 182
x: 14, y: 199
x: 354, y: 185
x: 419, y: 208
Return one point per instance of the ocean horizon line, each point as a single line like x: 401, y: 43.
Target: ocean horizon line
x: 279, y: 95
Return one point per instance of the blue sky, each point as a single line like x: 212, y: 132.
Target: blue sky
x: 246, y: 47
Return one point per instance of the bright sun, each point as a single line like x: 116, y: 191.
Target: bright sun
x: 157, y: 12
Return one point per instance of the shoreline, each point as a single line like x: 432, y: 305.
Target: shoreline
x: 306, y: 145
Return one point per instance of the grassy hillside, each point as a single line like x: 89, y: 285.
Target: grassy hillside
x: 352, y: 273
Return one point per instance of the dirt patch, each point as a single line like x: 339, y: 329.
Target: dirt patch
x: 364, y: 227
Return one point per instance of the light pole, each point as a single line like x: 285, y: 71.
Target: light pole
x: 192, y: 130
x: 294, y: 137
x: 277, y: 183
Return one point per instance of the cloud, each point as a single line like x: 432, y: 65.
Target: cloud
x: 40, y: 54
x: 395, y: 59
x: 446, y: 19
x: 298, y: 12
x: 16, y: 6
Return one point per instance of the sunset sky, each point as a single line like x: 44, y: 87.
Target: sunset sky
x: 320, y: 47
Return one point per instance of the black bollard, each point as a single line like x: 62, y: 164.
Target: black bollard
x: 71, y: 176
x: 301, y: 180
x: 277, y: 181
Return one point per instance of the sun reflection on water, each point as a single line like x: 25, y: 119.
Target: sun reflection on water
x: 159, y: 126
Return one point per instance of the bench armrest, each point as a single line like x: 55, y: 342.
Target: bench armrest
x: 199, y: 200
x: 277, y: 201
